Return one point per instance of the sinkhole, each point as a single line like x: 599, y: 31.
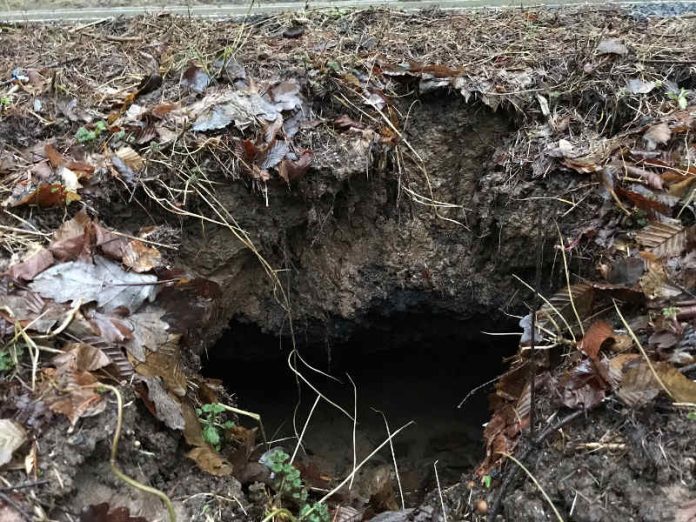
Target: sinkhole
x: 413, y: 365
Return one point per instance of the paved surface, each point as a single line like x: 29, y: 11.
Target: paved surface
x: 87, y: 14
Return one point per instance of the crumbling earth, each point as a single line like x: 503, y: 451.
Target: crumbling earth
x: 163, y: 176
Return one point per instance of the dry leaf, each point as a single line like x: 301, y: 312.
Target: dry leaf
x: 166, y: 364
x: 147, y: 333
x: 658, y: 134
x: 140, y: 257
x: 82, y: 357
x: 32, y: 265
x: 294, y: 170
x: 73, y: 239
x: 104, y: 282
x: 663, y: 239
x: 638, y: 385
x: 44, y: 195
x: 167, y: 408
x: 195, y: 79
x: 680, y: 387
x: 111, y: 244
x: 72, y: 392
x: 210, y: 461
x: 595, y: 336
x: 12, y: 436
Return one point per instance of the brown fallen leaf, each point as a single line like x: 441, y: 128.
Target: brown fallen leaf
x: 111, y: 244
x: 82, y: 357
x: 210, y: 461
x: 663, y: 239
x: 45, y: 195
x: 596, y: 335
x: 32, y: 265
x: 140, y: 257
x: 73, y: 239
x: 658, y: 134
x: 638, y: 385
x: 293, y: 170
x: 12, y: 436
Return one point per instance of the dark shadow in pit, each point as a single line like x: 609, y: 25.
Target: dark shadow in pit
x: 411, y: 366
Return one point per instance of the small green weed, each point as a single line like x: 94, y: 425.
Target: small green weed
x: 487, y: 481
x: 691, y: 415
x: 84, y: 135
x: 681, y: 97
x: 212, y: 422
x: 288, y: 484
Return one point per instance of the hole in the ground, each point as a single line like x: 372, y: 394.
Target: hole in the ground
x: 414, y: 365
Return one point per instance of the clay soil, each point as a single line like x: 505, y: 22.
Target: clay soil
x: 378, y: 183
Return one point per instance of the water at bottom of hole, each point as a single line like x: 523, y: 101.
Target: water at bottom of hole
x: 413, y: 367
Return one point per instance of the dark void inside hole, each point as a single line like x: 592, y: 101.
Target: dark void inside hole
x: 412, y: 366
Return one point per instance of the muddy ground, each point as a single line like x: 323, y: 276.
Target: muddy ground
x: 358, y: 189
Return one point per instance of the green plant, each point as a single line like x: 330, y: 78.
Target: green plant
x: 680, y: 97
x: 691, y: 415
x: 487, y: 480
x: 84, y: 135
x: 318, y: 512
x: 210, y: 416
x: 287, y: 482
x: 5, y: 101
x: 670, y: 312
x: 6, y: 362
x: 286, y: 477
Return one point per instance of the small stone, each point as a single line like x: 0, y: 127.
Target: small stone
x: 481, y: 506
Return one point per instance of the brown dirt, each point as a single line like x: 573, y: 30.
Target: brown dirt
x: 352, y: 241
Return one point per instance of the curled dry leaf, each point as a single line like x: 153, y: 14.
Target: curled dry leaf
x: 140, y: 257
x: 73, y: 239
x: 72, y: 392
x: 656, y: 135
x: 33, y: 265
x: 293, y: 170
x: 12, y: 436
x: 210, y: 461
x: 195, y: 79
x: 596, y: 335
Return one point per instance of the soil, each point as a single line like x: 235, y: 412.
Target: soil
x: 438, y: 180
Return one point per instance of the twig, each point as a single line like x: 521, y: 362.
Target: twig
x: 439, y: 491
x: 393, y: 454
x: 304, y: 429
x: 9, y: 500
x: 355, y: 426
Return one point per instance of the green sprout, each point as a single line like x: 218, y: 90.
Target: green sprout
x: 487, y: 481
x: 287, y: 482
x: 680, y: 97
x: 84, y: 135
x: 210, y: 416
x: 670, y: 312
